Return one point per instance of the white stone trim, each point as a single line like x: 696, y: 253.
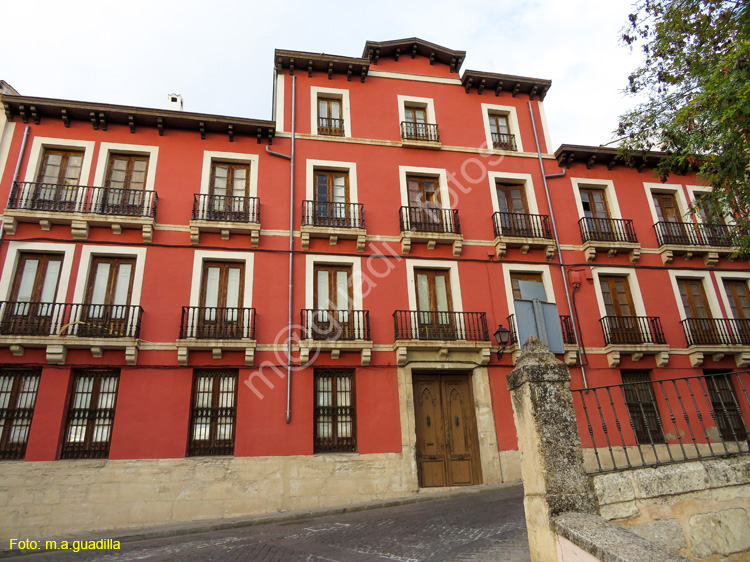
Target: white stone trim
x: 521, y: 179
x: 510, y: 112
x: 40, y: 143
x: 412, y: 77
x: 201, y: 255
x: 337, y: 93
x: 321, y: 259
x: 440, y: 173
x: 452, y: 267
x: 427, y: 103
x: 527, y: 268
x: 635, y: 288
x: 6, y: 138
x: 279, y: 103
x: 708, y: 286
x: 107, y: 148
x: 84, y: 267
x: 694, y: 190
x: 720, y: 277
x: 350, y: 167
x: 673, y: 188
x: 240, y: 157
x: 11, y: 264
x: 545, y: 128
x: 609, y: 189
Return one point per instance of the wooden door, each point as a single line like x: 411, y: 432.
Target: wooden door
x: 108, y: 291
x: 222, y: 289
x: 447, y: 445
x: 332, y: 318
x: 425, y: 214
x: 514, y: 218
x: 331, y: 199
x: 596, y: 212
x: 668, y: 213
x: 228, y: 192
x: 739, y: 302
x: 697, y: 312
x: 434, y: 304
x: 31, y: 308
x: 620, y: 311
x: 58, y: 180
x: 126, y: 180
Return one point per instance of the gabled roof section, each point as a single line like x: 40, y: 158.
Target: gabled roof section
x: 413, y: 47
x: 101, y: 115
x: 569, y: 154
x: 505, y: 83
x: 321, y: 62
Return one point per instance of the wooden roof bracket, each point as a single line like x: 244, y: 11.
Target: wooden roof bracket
x: 102, y: 121
x: 309, y: 68
x: 591, y: 162
x: 349, y: 73
x: 160, y: 125
x: 498, y: 88
x: 516, y: 89
x: 230, y: 132
x: 467, y: 86
x: 65, y: 118
x: 480, y: 88
x: 131, y: 123
x: 330, y: 70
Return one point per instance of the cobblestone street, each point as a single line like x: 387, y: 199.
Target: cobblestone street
x: 483, y: 526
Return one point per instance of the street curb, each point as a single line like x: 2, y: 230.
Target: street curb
x: 192, y: 528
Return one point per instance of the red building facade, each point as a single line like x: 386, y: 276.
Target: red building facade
x: 158, y: 267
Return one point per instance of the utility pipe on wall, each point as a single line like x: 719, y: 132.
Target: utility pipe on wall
x: 557, y: 242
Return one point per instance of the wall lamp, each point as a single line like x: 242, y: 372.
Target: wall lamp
x: 502, y: 335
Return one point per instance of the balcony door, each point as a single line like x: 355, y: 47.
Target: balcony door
x: 739, y: 302
x: 222, y: 290
x: 332, y: 318
x: 697, y: 312
x: 125, y: 182
x: 514, y: 210
x: 668, y: 213
x: 57, y: 181
x: 434, y: 304
x: 330, y: 121
x: 331, y: 199
x: 425, y: 213
x: 228, y: 191
x: 619, y: 309
x: 30, y: 310
x: 596, y: 212
x: 500, y: 132
x: 107, y: 303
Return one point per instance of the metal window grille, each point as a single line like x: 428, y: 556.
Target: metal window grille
x: 214, y: 413
x: 642, y: 408
x: 725, y: 408
x: 335, y: 413
x: 17, y: 399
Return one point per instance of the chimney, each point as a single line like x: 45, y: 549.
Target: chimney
x: 174, y: 102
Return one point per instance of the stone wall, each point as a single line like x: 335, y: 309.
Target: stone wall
x: 42, y: 499
x: 700, y: 509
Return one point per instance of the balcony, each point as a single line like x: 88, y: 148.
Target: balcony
x: 419, y: 135
x: 711, y: 241
x: 432, y: 225
x: 226, y: 214
x: 463, y: 334
x: 570, y: 346
x: 330, y: 126
x: 60, y: 326
x: 609, y: 235
x: 504, y: 141
x: 335, y: 221
x: 81, y: 207
x: 335, y: 331
x: 635, y: 336
x: 717, y: 337
x: 218, y: 329
x: 524, y: 231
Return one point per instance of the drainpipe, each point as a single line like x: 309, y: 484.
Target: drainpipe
x: 21, y: 152
x: 545, y: 177
x: 291, y: 255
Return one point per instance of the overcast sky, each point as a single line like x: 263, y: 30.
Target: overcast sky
x: 219, y: 54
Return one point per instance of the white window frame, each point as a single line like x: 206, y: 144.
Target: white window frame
x: 451, y: 267
x: 238, y: 157
x: 108, y: 148
x: 427, y: 103
x: 512, y: 115
x: 520, y: 179
x: 635, y: 289
x: 88, y: 253
x: 14, y: 253
x: 209, y: 255
x: 609, y: 189
x: 311, y: 260
x: 279, y: 103
x: 671, y: 188
x: 527, y: 268
x: 349, y: 167
x: 708, y: 287
x: 729, y: 275
x: 440, y: 173
x: 694, y: 191
x: 334, y: 93
x: 35, y: 158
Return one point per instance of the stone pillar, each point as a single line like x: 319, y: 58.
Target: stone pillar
x: 554, y: 479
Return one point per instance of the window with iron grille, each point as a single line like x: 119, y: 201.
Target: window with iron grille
x: 91, y: 413
x: 642, y: 408
x: 17, y: 399
x: 335, y: 415
x: 726, y: 409
x: 214, y: 413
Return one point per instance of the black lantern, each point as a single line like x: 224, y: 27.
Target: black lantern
x: 502, y: 335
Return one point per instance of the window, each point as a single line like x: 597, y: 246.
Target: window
x: 30, y: 310
x: 435, y: 304
x: 17, y: 399
x: 331, y: 205
x: 513, y: 209
x: 124, y: 184
x: 335, y: 415
x: 228, y: 191
x: 739, y: 297
x: 415, y: 125
x: 107, y: 311
x: 333, y: 302
x: 222, y: 292
x: 528, y: 285
x: 330, y: 117
x: 425, y: 213
x: 642, y: 407
x: 502, y: 139
x: 596, y: 210
x: 91, y: 413
x: 58, y: 178
x: 700, y: 326
x: 667, y: 212
x: 726, y: 410
x: 214, y: 413
x: 620, y: 323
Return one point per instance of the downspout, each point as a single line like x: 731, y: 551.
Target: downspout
x: 557, y: 242
x: 17, y: 171
x: 291, y: 255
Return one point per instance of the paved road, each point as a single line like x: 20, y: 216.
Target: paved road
x: 478, y: 527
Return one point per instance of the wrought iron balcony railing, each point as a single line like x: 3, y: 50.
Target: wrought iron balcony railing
x: 607, y: 230
x: 427, y: 132
x: 331, y: 126
x: 691, y: 234
x: 333, y: 215
x: 226, y: 208
x: 68, y: 319
x: 63, y: 198
x: 227, y: 323
x: 566, y: 325
x: 429, y: 219
x: 632, y: 330
x: 522, y: 225
x: 716, y: 331
x: 335, y: 325
x: 447, y: 326
x: 504, y: 141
